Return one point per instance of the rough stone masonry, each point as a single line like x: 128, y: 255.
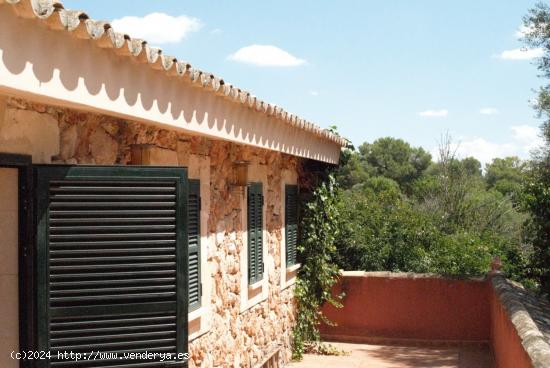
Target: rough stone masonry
x: 235, y: 339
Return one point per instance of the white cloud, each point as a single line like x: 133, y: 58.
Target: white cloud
x: 488, y: 111
x: 314, y: 93
x: 157, y: 28
x: 484, y: 150
x: 523, y: 139
x: 265, y: 55
x: 527, y: 136
x: 525, y: 132
x: 521, y: 54
x: 434, y: 113
x: 216, y: 31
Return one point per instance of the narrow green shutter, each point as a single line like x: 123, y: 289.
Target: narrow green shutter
x: 111, y: 253
x: 194, y: 235
x: 291, y: 223
x: 251, y: 218
x: 255, y: 232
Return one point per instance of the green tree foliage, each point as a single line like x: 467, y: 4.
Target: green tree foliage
x: 381, y: 232
x: 537, y: 186
x: 506, y: 175
x: 352, y: 171
x: 537, y: 201
x: 319, y: 272
x: 394, y: 159
x: 446, y: 218
x: 472, y: 166
x: 388, y: 157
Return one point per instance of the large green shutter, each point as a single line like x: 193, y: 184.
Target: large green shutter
x: 255, y: 232
x: 111, y: 253
x: 291, y: 223
x: 194, y: 235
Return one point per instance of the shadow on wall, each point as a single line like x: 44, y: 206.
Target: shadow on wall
x: 78, y: 65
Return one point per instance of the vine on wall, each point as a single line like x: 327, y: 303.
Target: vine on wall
x: 319, y: 272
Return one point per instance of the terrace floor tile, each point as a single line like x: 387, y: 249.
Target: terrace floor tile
x: 384, y: 356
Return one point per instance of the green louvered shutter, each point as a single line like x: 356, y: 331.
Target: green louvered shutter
x: 111, y: 263
x: 291, y: 223
x: 194, y: 236
x: 255, y: 232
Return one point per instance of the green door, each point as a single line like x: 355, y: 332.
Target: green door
x: 111, y: 265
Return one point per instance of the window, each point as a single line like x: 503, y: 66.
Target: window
x: 291, y: 223
x: 194, y: 240
x: 111, y: 258
x: 255, y: 232
x: 200, y: 277
x: 254, y: 261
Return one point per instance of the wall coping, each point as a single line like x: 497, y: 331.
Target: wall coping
x: 519, y: 304
x: 409, y: 275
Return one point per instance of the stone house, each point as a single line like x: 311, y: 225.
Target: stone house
x: 145, y: 205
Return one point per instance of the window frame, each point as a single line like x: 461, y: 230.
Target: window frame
x: 200, y: 319
x: 26, y: 250
x: 251, y: 295
x: 287, y: 274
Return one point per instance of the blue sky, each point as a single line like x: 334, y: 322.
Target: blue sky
x: 408, y: 69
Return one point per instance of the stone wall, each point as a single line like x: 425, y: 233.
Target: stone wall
x: 235, y: 339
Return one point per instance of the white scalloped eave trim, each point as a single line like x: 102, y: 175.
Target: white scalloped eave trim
x: 80, y: 25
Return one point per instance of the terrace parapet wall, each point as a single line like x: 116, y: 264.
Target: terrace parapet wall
x: 408, y: 308
x: 386, y: 306
x: 530, y: 318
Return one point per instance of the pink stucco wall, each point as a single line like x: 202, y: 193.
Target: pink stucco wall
x: 506, y: 344
x: 408, y: 307
x: 411, y: 307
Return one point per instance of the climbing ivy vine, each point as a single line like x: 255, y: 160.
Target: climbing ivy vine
x: 316, y: 250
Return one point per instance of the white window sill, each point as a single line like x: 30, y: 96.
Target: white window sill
x: 196, y: 313
x: 260, y: 290
x: 256, y: 285
x: 289, y: 277
x: 198, y: 322
x: 293, y: 268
